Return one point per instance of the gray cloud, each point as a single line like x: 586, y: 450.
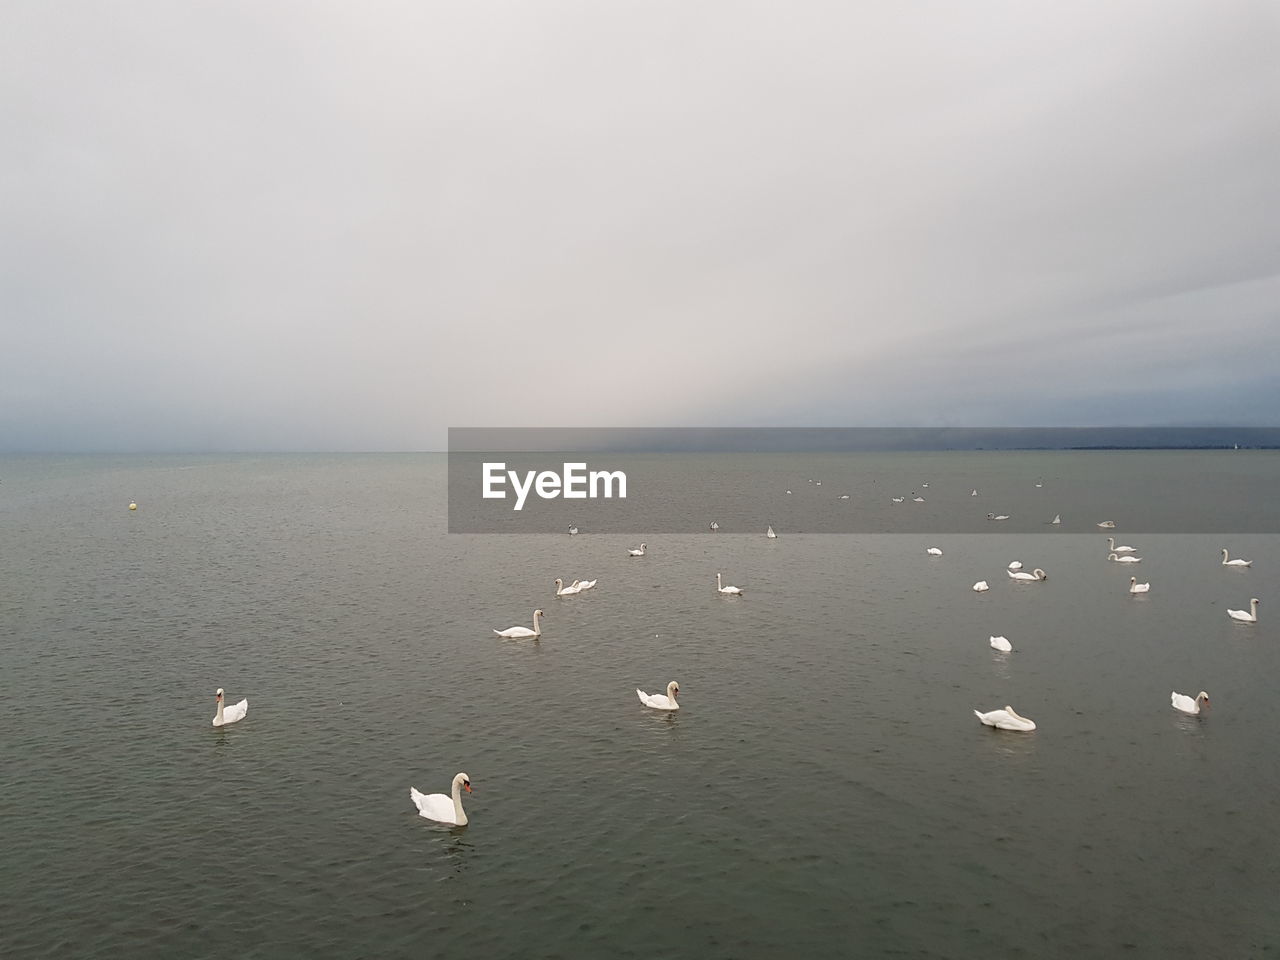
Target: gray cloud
x: 285, y: 226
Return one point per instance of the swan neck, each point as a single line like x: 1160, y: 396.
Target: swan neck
x: 459, y: 817
x: 218, y: 716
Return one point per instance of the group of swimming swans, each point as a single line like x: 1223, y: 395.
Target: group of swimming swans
x: 1135, y: 588
x: 576, y: 587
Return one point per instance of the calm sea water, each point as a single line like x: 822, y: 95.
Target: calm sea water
x: 825, y: 792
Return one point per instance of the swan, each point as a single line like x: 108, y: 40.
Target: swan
x: 981, y: 586
x: 768, y: 532
x: 918, y: 499
x: 1125, y: 559
x: 898, y: 499
x: 640, y: 552
x: 1249, y: 616
x: 924, y: 486
x: 1111, y: 543
x: 1036, y: 574
x: 1039, y: 484
x: 1180, y: 701
x: 513, y: 632
x: 1237, y: 562
x: 586, y: 584
x: 1002, y: 644
x: 734, y: 591
x: 714, y: 526
x: 1107, y: 524
x: 1015, y: 565
x: 1136, y: 587
x: 436, y: 806
x: 229, y: 714
x: 1057, y: 518
x: 658, y: 701
x: 934, y: 551
x: 788, y: 491
x: 974, y: 492
x: 1006, y: 719
x: 992, y: 516
x: 573, y: 531
x: 563, y: 591
x: 843, y: 496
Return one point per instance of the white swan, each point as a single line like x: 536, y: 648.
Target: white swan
x: 898, y: 499
x: 714, y: 526
x: 1246, y: 616
x: 1015, y: 565
x: 992, y: 516
x: 934, y: 551
x: 573, y: 531
x: 1002, y: 644
x: 918, y: 499
x: 231, y: 714
x: 733, y: 591
x: 1125, y: 559
x: 1057, y: 518
x: 1006, y: 719
x: 513, y: 632
x: 1036, y: 574
x: 924, y: 486
x: 563, y: 591
x: 1136, y: 587
x: 843, y: 496
x: 438, y: 807
x: 768, y: 532
x: 1180, y: 701
x: 974, y: 492
x: 981, y: 587
x: 1107, y: 524
x: 586, y: 584
x: 1111, y: 542
x: 658, y: 701
x: 640, y: 552
x: 1237, y: 562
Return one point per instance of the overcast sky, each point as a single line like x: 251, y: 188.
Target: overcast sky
x: 347, y: 226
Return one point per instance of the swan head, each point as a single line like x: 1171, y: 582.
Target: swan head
x: 673, y: 690
x: 218, y: 695
x: 1040, y: 574
x: 1133, y: 579
x: 537, y: 614
x: 464, y: 781
x: 559, y: 582
x: 1202, y: 698
x: 643, y: 546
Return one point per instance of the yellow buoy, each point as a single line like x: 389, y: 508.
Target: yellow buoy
x: 133, y: 506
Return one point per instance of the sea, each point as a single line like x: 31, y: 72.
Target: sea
x: 825, y: 789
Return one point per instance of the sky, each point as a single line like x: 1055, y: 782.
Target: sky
x: 335, y: 226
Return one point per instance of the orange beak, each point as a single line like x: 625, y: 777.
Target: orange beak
x: 466, y: 787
